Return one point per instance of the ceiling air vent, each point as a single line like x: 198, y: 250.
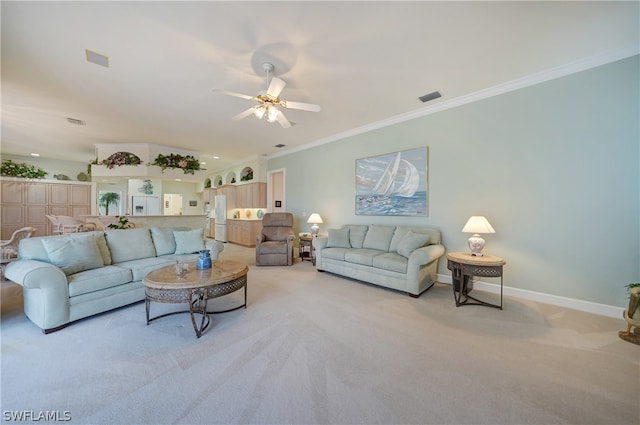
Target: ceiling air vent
x: 279, y: 145
x: 75, y: 121
x: 430, y: 96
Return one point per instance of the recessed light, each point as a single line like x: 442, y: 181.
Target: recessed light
x: 97, y: 58
x: 35, y: 154
x: 203, y: 163
x: 216, y: 157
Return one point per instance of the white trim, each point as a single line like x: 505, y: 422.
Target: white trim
x: 525, y: 294
x: 509, y: 86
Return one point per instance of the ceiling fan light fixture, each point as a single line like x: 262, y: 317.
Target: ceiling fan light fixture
x: 272, y: 113
x: 259, y: 111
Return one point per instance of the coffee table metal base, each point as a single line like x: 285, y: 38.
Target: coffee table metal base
x: 197, y: 299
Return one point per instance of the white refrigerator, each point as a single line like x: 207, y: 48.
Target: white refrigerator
x: 145, y: 205
x: 220, y: 216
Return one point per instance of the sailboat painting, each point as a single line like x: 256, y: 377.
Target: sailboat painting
x: 392, y: 184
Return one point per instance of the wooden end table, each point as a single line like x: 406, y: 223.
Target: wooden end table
x: 464, y: 266
x: 198, y: 286
x: 305, y: 249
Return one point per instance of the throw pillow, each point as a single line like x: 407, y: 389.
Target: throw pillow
x: 189, y: 242
x: 338, y: 238
x: 73, y: 254
x: 410, y: 242
x: 379, y: 237
x: 163, y: 240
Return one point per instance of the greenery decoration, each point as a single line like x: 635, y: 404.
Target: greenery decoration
x: 121, y: 158
x: 247, y: 176
x: 12, y: 169
x: 123, y: 223
x: 187, y: 163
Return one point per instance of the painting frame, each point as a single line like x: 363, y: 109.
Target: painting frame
x: 393, y: 184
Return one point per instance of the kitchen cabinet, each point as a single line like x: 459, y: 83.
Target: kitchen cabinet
x: 251, y: 195
x: 230, y: 192
x: 243, y: 232
x: 28, y: 203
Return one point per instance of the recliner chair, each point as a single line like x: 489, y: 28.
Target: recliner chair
x: 274, y: 244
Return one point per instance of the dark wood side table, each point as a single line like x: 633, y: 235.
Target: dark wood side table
x: 464, y: 266
x: 305, y: 249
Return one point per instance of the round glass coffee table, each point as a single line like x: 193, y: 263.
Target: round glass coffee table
x: 195, y: 288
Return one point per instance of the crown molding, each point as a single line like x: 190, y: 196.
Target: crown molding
x: 509, y: 86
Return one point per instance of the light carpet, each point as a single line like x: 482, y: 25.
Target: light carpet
x: 315, y: 348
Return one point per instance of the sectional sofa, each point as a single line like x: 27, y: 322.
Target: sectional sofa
x: 398, y: 257
x: 73, y: 276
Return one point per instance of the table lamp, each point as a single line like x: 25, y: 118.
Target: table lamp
x: 315, y: 219
x: 477, y: 225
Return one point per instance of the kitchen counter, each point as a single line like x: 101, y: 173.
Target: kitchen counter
x: 199, y: 221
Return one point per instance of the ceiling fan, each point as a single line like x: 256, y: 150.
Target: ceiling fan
x: 269, y: 101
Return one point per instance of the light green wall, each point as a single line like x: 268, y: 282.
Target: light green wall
x: 554, y: 167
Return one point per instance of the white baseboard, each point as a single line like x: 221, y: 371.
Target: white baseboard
x: 572, y: 303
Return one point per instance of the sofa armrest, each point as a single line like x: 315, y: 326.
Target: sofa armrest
x: 34, y: 274
x: 426, y: 254
x: 320, y: 242
x: 214, y: 247
x: 45, y: 293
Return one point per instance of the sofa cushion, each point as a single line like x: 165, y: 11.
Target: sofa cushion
x: 129, y: 244
x: 101, y: 242
x: 338, y: 238
x: 334, y: 253
x: 141, y: 267
x: 97, y: 279
x: 73, y: 253
x: 189, y: 241
x: 357, y: 233
x: 397, y: 237
x: 391, y: 261
x: 410, y: 242
x: 362, y: 256
x: 163, y: 240
x: 379, y: 237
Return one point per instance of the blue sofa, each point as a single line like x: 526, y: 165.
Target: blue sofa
x: 68, y: 277
x: 398, y: 257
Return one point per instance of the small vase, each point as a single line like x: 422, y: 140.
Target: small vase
x: 204, y: 260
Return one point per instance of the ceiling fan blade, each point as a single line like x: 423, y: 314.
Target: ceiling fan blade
x: 275, y: 87
x: 284, y: 122
x: 232, y: 93
x: 302, y: 106
x: 243, y: 114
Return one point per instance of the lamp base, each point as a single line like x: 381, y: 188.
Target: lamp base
x: 476, y: 243
x: 314, y: 230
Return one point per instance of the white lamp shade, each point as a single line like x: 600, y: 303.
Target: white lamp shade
x: 315, y: 218
x: 478, y: 224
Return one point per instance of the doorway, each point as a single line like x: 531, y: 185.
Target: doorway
x: 172, y: 204
x: 276, y: 191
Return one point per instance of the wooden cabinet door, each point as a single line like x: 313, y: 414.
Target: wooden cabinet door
x: 12, y: 193
x: 36, y: 193
x: 81, y: 195
x: 59, y: 194
x: 259, y: 198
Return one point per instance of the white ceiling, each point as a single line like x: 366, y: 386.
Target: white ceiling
x: 362, y: 62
